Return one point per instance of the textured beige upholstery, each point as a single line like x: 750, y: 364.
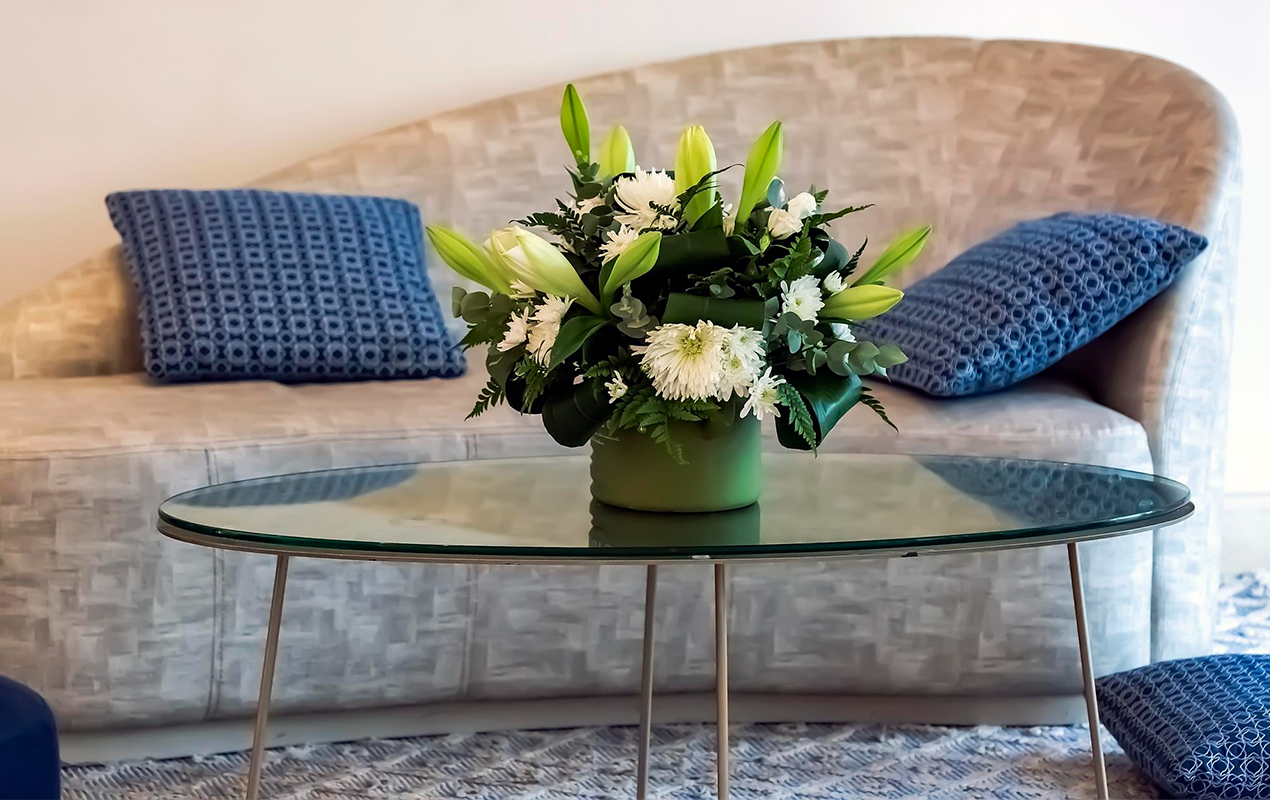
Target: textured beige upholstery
x: 116, y: 625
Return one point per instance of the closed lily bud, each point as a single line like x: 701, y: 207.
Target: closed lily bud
x: 575, y: 126
x: 616, y: 153
x: 547, y: 270
x: 861, y: 302
x: 693, y: 161
x: 637, y: 259
x: 505, y: 251
x: 467, y: 259
x: 760, y: 168
x: 898, y: 255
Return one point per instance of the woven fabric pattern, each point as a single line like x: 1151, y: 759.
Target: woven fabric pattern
x: 1199, y: 727
x: 281, y: 286
x: 1012, y: 306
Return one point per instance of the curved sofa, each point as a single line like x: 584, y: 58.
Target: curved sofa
x: 118, y: 626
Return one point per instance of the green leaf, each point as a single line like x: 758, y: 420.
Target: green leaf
x: 688, y: 309
x: 760, y: 168
x: 574, y: 124
x: 500, y: 364
x: 474, y: 307
x: 817, y: 220
x: 862, y: 357
x: 901, y: 252
x: 635, y: 261
x: 700, y: 252
x: 838, y: 353
x: 456, y: 301
x: 776, y: 193
x: 713, y: 218
x: 828, y: 396
x: 489, y: 397
x: 889, y: 355
x: 798, y: 416
x: 573, y: 334
x: 876, y: 404
x: 574, y: 414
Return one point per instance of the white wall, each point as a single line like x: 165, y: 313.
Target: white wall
x: 97, y: 96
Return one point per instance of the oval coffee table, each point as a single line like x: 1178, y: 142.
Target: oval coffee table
x: 538, y: 510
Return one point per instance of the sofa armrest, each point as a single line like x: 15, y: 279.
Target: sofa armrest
x: 83, y: 322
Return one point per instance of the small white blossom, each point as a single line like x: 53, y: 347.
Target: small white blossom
x: 617, y: 242
x: 546, y: 326
x: 588, y: 204
x: 763, y: 396
x: 783, y: 224
x: 802, y: 206
x: 617, y: 388
x: 639, y: 192
x: 802, y: 297
x: 741, y: 360
x: 684, y: 361
x: 517, y: 331
x: 729, y: 219
x: 522, y: 290
x: 834, y: 283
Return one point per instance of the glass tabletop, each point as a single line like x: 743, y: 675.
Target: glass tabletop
x: 541, y: 509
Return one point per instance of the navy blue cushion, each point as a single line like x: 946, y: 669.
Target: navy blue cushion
x: 1198, y: 727
x: 242, y: 284
x: 1010, y: 307
x: 29, y: 761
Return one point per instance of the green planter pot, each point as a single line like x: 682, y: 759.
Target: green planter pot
x: 723, y: 469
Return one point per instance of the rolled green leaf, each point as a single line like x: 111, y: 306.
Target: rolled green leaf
x: 861, y: 302
x: 575, y: 413
x: 688, y: 309
x: 636, y: 260
x: 701, y: 252
x: 695, y: 160
x: 616, y: 153
x: 574, y: 124
x: 467, y: 258
x: 899, y: 254
x: 573, y: 334
x: 760, y: 169
x: 828, y: 397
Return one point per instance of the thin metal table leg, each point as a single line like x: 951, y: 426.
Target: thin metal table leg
x: 1087, y: 670
x: 721, y: 671
x: 646, y: 684
x: 266, y: 678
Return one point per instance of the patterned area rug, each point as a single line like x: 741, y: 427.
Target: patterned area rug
x: 790, y: 762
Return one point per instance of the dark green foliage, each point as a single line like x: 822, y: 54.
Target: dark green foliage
x: 489, y: 397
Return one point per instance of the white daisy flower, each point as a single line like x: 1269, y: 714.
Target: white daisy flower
x: 638, y: 193
x: 684, y: 361
x: 834, y: 283
x: 617, y: 388
x: 546, y: 326
x: 783, y: 224
x: 742, y: 360
x: 517, y: 331
x: 763, y: 396
x: 802, y: 206
x: 617, y: 242
x: 802, y: 297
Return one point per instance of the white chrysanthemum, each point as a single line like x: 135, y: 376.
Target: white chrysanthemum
x: 782, y: 224
x: 741, y: 361
x: 802, y: 206
x: 639, y: 192
x: 546, y: 326
x: 586, y: 205
x: 517, y: 331
x: 522, y: 290
x: 617, y: 242
x: 763, y: 396
x: 617, y: 388
x: 842, y: 331
x: 802, y: 297
x: 834, y: 283
x: 684, y: 361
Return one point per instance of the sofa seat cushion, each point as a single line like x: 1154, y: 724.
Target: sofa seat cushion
x: 130, y: 413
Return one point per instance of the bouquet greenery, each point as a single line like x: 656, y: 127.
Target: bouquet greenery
x: 660, y: 302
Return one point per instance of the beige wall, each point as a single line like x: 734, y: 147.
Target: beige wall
x: 108, y: 94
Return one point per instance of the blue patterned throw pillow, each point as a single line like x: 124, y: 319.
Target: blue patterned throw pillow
x: 1198, y: 727
x: 1010, y: 307
x: 247, y: 284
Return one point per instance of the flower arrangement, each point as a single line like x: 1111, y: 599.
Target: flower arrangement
x: 658, y: 303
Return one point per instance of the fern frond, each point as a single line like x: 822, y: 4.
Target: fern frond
x: 799, y: 413
x: 876, y: 404
x: 489, y: 397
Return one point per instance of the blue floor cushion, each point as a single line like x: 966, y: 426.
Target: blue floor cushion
x: 1198, y: 727
x: 29, y: 763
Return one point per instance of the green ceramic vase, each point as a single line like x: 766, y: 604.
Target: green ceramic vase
x: 722, y: 469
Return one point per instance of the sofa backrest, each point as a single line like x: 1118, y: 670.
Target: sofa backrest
x: 968, y: 135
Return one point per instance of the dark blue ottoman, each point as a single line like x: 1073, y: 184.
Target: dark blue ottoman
x: 29, y: 764
x: 1198, y: 727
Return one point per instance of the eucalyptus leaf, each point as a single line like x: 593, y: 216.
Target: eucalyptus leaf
x: 889, y: 356
x: 776, y: 193
x: 456, y: 301
x: 474, y: 307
